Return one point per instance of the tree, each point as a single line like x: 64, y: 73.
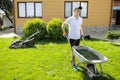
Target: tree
x: 6, y: 6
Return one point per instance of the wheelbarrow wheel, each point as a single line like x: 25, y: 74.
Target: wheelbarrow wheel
x: 92, y: 71
x: 94, y: 78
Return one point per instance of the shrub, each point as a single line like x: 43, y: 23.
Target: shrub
x: 31, y: 26
x: 113, y: 35
x: 54, y: 29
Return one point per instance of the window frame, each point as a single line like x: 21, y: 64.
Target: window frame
x: 27, y: 11
x: 41, y: 10
x: 64, y: 8
x: 19, y: 10
x: 72, y: 7
x: 34, y: 16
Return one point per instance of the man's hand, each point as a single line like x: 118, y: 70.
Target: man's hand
x: 64, y: 34
x: 82, y: 31
x: 82, y: 37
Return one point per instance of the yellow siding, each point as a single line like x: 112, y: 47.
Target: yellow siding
x: 98, y: 11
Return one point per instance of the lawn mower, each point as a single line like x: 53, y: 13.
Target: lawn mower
x: 28, y: 42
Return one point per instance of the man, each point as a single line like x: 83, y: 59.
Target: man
x: 74, y: 24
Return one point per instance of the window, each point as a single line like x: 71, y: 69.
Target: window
x: 22, y: 10
x: 68, y: 9
x: 29, y: 9
x: 84, y: 9
x: 38, y: 9
x: 70, y: 6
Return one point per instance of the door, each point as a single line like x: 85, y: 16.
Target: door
x: 118, y: 17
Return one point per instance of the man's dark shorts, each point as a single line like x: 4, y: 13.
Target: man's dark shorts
x: 74, y: 42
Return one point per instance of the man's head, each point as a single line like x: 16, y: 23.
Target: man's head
x: 77, y: 11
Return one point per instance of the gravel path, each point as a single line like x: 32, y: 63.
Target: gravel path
x: 7, y: 33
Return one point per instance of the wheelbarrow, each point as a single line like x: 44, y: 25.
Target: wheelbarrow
x: 90, y: 65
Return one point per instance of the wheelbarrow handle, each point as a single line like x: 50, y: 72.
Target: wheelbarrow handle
x: 82, y: 37
x: 66, y: 36
x: 83, y: 40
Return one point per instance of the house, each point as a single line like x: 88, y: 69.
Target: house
x: 98, y: 13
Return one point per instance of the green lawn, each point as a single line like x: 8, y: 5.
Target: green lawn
x: 50, y: 61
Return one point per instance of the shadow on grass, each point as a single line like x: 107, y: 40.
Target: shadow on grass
x: 22, y: 47
x: 43, y: 42
x: 47, y: 41
x: 115, y: 44
x: 93, y: 39
x: 64, y: 41
x: 104, y: 76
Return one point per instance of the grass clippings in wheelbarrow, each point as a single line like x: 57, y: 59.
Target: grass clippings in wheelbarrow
x: 88, y: 55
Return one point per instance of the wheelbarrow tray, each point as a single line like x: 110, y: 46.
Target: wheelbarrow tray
x: 82, y: 59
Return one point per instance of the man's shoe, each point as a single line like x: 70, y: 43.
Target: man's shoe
x: 75, y: 68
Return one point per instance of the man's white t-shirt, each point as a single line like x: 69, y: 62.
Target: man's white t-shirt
x: 74, y: 27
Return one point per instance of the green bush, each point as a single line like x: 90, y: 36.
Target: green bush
x: 113, y: 35
x: 31, y: 26
x: 54, y: 29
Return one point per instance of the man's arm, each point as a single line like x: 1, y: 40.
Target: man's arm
x: 81, y: 29
x: 63, y: 28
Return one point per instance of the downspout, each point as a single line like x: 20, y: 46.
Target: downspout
x: 111, y: 13
x: 14, y: 16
